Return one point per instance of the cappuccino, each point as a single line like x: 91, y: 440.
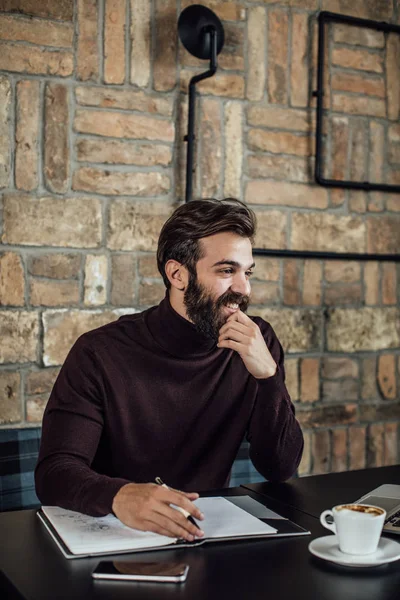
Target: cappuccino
x: 374, y: 511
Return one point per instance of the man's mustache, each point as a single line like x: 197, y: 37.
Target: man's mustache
x: 230, y: 297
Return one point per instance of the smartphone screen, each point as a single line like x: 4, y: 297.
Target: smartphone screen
x: 125, y: 570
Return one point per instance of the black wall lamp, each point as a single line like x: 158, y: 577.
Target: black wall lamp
x: 202, y: 34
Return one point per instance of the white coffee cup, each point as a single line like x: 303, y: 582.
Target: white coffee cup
x: 358, y: 526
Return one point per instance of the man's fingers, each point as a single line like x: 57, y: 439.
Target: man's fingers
x: 180, y: 499
x: 234, y: 326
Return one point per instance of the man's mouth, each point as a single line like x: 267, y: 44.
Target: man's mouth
x: 232, y: 306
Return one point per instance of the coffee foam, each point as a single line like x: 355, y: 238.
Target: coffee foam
x: 373, y: 511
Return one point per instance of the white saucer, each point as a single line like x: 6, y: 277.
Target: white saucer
x: 327, y: 548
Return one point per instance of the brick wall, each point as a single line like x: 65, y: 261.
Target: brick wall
x: 93, y: 109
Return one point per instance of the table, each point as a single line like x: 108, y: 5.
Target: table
x: 258, y: 569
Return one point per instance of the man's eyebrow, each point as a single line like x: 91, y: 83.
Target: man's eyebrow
x: 232, y: 263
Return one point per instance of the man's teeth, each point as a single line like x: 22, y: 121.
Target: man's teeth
x: 234, y: 306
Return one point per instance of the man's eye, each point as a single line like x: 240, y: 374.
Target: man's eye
x: 249, y: 273
x: 227, y: 271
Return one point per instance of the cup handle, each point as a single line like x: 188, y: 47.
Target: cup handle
x: 331, y: 526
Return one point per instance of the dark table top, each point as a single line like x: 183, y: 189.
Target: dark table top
x: 258, y: 569
x: 314, y: 494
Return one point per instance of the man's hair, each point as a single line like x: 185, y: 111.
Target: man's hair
x: 180, y: 235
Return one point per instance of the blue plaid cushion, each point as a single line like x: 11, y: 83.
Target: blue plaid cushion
x: 18, y: 456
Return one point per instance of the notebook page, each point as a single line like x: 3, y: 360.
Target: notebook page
x: 224, y: 519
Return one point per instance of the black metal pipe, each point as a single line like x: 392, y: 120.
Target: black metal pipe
x: 190, y: 137
x: 326, y: 255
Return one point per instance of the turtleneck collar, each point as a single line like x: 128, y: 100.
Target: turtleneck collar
x: 175, y: 334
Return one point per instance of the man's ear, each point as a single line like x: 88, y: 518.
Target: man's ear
x: 177, y: 274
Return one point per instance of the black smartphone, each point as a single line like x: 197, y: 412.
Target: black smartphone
x: 127, y: 570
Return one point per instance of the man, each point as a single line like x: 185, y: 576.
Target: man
x: 172, y: 391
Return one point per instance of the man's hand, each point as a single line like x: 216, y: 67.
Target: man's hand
x: 241, y: 334
x: 146, y: 506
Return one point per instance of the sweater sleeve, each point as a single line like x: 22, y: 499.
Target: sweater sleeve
x: 71, y: 431
x: 274, y: 434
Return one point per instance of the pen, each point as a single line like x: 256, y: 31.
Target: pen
x: 185, y: 513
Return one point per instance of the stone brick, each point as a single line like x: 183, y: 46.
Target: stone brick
x: 376, y: 202
x: 125, y: 99
x: 337, y: 197
x: 136, y: 225
x: 61, y: 10
x: 211, y: 147
x: 383, y: 234
x: 375, y: 445
x: 327, y: 416
x: 63, y: 327
x: 27, y: 135
x: 222, y: 84
x: 55, y: 265
x: 394, y: 154
x: 285, y: 194
x: 287, y: 168
x: 148, y: 266
x: 394, y: 133
x: 339, y: 450
x: 377, y: 151
x: 256, y: 52
x: 363, y: 329
x: 393, y: 176
x: 339, y: 390
x: 151, y: 292
x: 312, y: 277
x: 297, y: 329
x: 53, y: 293
x: 359, y: 105
x: 5, y: 147
x: 299, y: 68
x: 19, y: 334
x: 70, y: 222
x: 371, y: 283
x: 226, y: 10
x: 379, y: 412
x: 376, y: 10
x: 340, y: 141
x: 304, y: 4
x: 95, y: 283
x: 392, y: 75
x: 103, y: 181
x: 123, y: 279
x: 35, y: 409
x: 267, y: 269
x: 165, y: 39
x: 321, y: 452
x: 392, y: 203
x: 114, y: 41
x: 36, y: 31
x: 368, y: 382
x: 327, y: 232
x: 358, y: 151
x: 343, y: 294
x: 10, y: 402
x: 271, y: 231
x: 358, y: 83
x: 292, y: 378
x: 291, y: 282
x: 309, y: 380
x: 140, y: 33
x: 357, y: 201
x: 337, y: 368
x: 279, y: 142
x: 387, y: 376
x: 87, y: 53
x: 389, y: 283
x: 362, y: 60
x: 357, y: 448
x: 359, y: 36
x: 391, y: 444
x: 124, y: 153
x: 233, y: 149
x: 11, y: 280
x: 35, y: 61
x: 56, y: 151
x: 278, y: 33
x: 304, y: 467
x: 123, y: 125
x: 342, y: 271
x: 42, y: 381
x: 264, y: 293
x: 282, y: 118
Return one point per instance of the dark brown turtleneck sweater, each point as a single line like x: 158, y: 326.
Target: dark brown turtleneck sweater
x: 149, y: 396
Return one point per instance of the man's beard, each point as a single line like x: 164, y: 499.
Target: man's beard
x: 205, y: 312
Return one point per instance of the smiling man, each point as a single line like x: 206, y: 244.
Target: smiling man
x: 171, y: 392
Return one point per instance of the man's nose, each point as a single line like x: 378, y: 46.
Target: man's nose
x: 241, y: 285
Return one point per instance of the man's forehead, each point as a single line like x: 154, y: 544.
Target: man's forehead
x: 227, y: 248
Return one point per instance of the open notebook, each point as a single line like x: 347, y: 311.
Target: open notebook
x: 79, y: 535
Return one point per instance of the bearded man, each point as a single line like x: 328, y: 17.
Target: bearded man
x: 171, y: 392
